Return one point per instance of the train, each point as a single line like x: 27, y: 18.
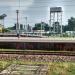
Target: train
x: 42, y: 44
x: 38, y: 46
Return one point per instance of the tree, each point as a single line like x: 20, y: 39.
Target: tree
x: 37, y: 26
x: 46, y: 27
x: 6, y: 30
x: 71, y: 24
x: 65, y: 28
x: 3, y: 16
x: 11, y: 28
x: 41, y: 26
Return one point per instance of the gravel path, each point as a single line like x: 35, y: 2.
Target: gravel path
x: 38, y: 58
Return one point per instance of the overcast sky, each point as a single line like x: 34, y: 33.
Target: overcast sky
x: 35, y: 10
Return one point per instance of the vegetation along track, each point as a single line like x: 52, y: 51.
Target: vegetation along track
x: 39, y: 52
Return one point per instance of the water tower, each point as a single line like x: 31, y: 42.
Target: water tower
x: 56, y: 16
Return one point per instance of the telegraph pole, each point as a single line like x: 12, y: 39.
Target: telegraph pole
x: 41, y: 28
x: 26, y: 24
x: 17, y: 26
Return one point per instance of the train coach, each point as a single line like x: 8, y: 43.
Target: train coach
x: 32, y: 43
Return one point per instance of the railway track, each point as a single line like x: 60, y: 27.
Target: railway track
x: 31, y: 52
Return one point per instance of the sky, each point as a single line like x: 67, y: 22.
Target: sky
x: 35, y: 10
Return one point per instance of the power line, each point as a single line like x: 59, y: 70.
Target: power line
x: 41, y: 1
x: 55, y: 1
x: 40, y: 6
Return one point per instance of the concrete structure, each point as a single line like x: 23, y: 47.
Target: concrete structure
x: 57, y: 27
x: 56, y: 16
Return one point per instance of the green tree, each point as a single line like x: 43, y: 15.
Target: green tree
x: 71, y: 24
x: 6, y: 30
x: 65, y: 28
x: 11, y: 28
x: 3, y: 16
x: 42, y: 25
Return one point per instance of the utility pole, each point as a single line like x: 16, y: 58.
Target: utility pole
x: 41, y: 28
x: 61, y: 23
x: 26, y: 24
x: 17, y: 26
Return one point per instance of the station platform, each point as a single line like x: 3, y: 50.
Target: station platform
x: 38, y: 39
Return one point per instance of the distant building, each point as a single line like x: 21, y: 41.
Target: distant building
x: 21, y: 27
x: 29, y: 28
x: 70, y: 33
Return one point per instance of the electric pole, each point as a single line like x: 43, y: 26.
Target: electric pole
x: 41, y: 28
x: 26, y: 24
x: 17, y: 25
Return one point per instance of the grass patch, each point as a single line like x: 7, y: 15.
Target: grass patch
x: 61, y: 68
x: 4, y: 64
x: 54, y: 68
x: 36, y: 50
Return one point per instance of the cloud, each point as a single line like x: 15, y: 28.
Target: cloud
x: 13, y: 5
x: 10, y: 6
x: 16, y: 4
